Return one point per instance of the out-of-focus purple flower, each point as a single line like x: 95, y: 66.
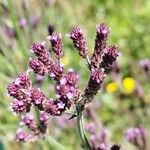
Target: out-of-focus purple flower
x: 137, y: 136
x: 103, y: 135
x: 9, y: 32
x: 102, y: 146
x: 99, y: 140
x: 94, y: 84
x: 90, y: 128
x: 110, y: 55
x: 145, y: 64
x: 79, y: 41
x: 21, y: 135
x: 56, y: 43
x: 102, y: 32
x: 64, y: 122
x: 39, y: 78
x: 37, y: 66
x: 44, y: 118
x: 50, y: 29
x: 115, y: 68
x: 29, y: 121
x: 35, y: 21
x: 93, y: 141
x: 22, y: 22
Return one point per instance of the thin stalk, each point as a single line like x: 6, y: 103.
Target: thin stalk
x: 88, y: 62
x: 55, y: 143
x: 81, y: 130
x: 17, y: 29
x: 30, y: 28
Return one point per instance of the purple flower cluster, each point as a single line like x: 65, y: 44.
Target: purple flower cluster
x: 67, y: 90
x: 101, y: 61
x: 102, y: 32
x: 145, y: 64
x: 9, y: 32
x: 56, y: 43
x: 95, y: 83
x: 76, y: 35
x: 109, y: 56
x: 20, y: 90
x: 44, y: 64
x: 22, y: 136
x: 99, y: 139
x: 103, y: 55
x: 136, y: 136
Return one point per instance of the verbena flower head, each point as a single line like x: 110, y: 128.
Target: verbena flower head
x: 110, y: 55
x: 95, y: 82
x: 38, y: 97
x: 56, y: 44
x: 76, y: 35
x: 39, y: 48
x: 102, y: 32
x: 19, y: 106
x: 67, y: 91
x: 37, y: 66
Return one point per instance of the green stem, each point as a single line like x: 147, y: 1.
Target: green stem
x: 19, y: 36
x: 81, y: 130
x: 30, y: 28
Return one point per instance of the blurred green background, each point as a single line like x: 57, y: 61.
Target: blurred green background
x: 120, y: 105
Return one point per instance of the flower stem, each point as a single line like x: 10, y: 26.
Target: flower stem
x: 19, y: 35
x: 81, y: 130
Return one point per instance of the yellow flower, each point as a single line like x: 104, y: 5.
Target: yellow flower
x: 128, y: 85
x: 111, y: 87
x: 65, y: 60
